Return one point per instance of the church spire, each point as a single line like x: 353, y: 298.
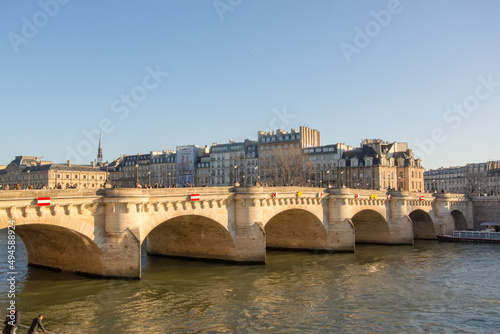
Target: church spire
x: 99, y: 151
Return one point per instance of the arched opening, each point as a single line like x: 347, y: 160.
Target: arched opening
x: 423, y: 226
x: 370, y: 227
x: 191, y: 236
x: 460, y: 221
x: 60, y: 248
x: 296, y: 229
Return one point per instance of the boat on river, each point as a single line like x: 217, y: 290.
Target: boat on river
x: 490, y: 234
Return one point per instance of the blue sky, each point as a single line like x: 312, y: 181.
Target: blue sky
x: 198, y: 72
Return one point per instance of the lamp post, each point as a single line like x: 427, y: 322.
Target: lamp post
x: 328, y: 178
x: 244, y: 184
x: 29, y: 171
x: 236, y: 184
x: 342, y: 179
x: 169, y: 179
x: 136, y: 175
x: 256, y: 175
x: 149, y: 177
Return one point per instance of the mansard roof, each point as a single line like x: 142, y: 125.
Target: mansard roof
x: 361, y: 153
x: 24, y: 160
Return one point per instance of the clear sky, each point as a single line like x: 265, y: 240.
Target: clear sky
x: 156, y: 74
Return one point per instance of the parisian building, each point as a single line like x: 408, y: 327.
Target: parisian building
x: 202, y: 170
x: 473, y: 178
x: 31, y: 172
x: 281, y: 155
x: 234, y: 159
x: 158, y: 169
x: 378, y: 164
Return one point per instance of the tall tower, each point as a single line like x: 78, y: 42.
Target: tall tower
x: 99, y: 151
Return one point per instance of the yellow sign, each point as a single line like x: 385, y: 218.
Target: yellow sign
x: 299, y: 193
x: 373, y: 196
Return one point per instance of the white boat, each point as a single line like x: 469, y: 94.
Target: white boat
x: 490, y: 234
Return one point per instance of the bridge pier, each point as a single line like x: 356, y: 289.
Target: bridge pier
x: 122, y: 247
x: 340, y: 228
x: 247, y: 228
x: 444, y: 222
x: 400, y: 224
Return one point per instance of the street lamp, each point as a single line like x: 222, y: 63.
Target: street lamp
x: 149, y: 178
x: 236, y: 184
x: 328, y: 178
x: 342, y: 179
x: 256, y: 175
x: 29, y: 171
x: 169, y: 179
x: 244, y: 184
x: 136, y: 175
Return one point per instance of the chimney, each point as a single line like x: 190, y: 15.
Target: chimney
x: 69, y: 163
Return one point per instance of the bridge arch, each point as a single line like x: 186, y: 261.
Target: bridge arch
x: 192, y: 236
x: 423, y: 226
x: 296, y: 229
x: 371, y: 227
x: 61, y: 248
x: 460, y: 221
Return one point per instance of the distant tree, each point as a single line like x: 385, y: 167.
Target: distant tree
x: 473, y: 182
x: 284, y: 166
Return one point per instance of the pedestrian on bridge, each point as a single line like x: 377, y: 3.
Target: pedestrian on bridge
x: 36, y: 324
x: 11, y: 322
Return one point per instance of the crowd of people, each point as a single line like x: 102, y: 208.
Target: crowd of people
x: 19, y: 186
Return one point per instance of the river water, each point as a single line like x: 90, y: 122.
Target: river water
x: 431, y: 287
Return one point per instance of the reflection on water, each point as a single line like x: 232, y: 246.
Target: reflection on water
x: 431, y: 287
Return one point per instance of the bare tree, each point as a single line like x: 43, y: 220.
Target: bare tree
x: 473, y: 182
x: 284, y: 166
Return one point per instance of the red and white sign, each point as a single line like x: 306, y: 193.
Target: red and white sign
x: 320, y: 194
x: 421, y: 198
x: 389, y: 197
x: 275, y: 195
x: 356, y: 196
x: 43, y: 201
x: 195, y: 197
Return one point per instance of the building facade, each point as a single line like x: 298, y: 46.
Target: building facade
x: 31, y: 172
x: 281, y: 155
x: 473, y: 178
x: 234, y: 159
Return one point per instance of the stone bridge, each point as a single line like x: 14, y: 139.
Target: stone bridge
x: 101, y: 233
